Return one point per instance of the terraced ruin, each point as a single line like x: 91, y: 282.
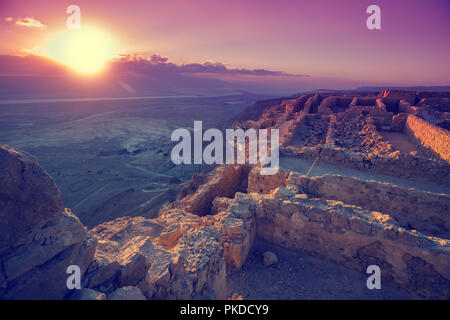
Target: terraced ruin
x: 364, y: 180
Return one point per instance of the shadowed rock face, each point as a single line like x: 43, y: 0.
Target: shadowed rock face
x: 27, y: 196
x: 39, y: 238
x: 176, y: 256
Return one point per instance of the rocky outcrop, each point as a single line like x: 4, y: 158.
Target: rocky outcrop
x: 127, y: 293
x: 88, y: 294
x: 39, y: 238
x: 179, y: 255
x: 173, y: 257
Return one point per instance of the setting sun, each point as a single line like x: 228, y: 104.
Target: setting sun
x: 85, y: 50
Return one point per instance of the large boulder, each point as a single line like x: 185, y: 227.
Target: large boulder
x: 39, y: 238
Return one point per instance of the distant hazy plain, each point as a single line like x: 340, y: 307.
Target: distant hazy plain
x: 111, y: 157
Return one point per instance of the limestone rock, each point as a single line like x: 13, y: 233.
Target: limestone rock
x: 127, y: 293
x: 269, y: 258
x: 88, y: 294
x: 39, y: 238
x: 164, y: 260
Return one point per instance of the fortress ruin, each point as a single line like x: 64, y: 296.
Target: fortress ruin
x: 365, y: 180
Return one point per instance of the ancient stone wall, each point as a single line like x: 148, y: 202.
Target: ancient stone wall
x: 407, y: 166
x: 430, y: 94
x: 420, y: 210
x: 299, y: 103
x: 334, y: 104
x: 398, y: 122
x: 404, y: 106
x: 355, y: 238
x: 423, y: 211
x: 327, y: 104
x: 357, y: 223
x: 177, y: 256
x: 312, y: 104
x: 432, y: 139
x: 226, y: 181
x: 408, y: 96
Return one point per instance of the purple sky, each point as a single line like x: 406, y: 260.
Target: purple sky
x: 325, y: 39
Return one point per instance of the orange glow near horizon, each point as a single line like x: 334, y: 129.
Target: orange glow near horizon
x: 85, y: 50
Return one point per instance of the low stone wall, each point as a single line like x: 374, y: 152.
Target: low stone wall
x: 312, y: 104
x: 398, y: 122
x: 226, y: 181
x: 431, y: 139
x: 432, y: 94
x: 396, y: 164
x: 334, y: 104
x: 415, y: 209
x: 299, y: 103
x: 404, y: 106
x: 355, y: 238
x: 327, y: 104
x: 408, y: 96
x: 423, y: 211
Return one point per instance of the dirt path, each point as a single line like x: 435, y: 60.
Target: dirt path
x: 399, y: 141
x: 297, y: 276
x: 302, y: 166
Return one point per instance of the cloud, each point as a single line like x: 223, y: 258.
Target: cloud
x: 142, y: 65
x: 32, y: 76
x: 27, y: 22
x: 33, y: 51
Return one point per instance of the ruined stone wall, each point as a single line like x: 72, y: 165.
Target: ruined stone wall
x: 226, y: 181
x: 409, y: 96
x: 363, y: 101
x: 333, y: 104
x: 404, y: 106
x: 299, y: 103
x: 398, y: 122
x: 423, y: 211
x: 430, y: 94
x: 373, y: 111
x: 431, y: 139
x: 259, y: 183
x: 327, y: 104
x: 355, y: 238
x: 407, y: 166
x: 312, y: 104
x: 420, y: 210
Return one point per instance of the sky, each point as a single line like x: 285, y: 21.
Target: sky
x: 326, y: 40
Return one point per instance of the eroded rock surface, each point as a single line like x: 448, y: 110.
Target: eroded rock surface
x: 39, y: 238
